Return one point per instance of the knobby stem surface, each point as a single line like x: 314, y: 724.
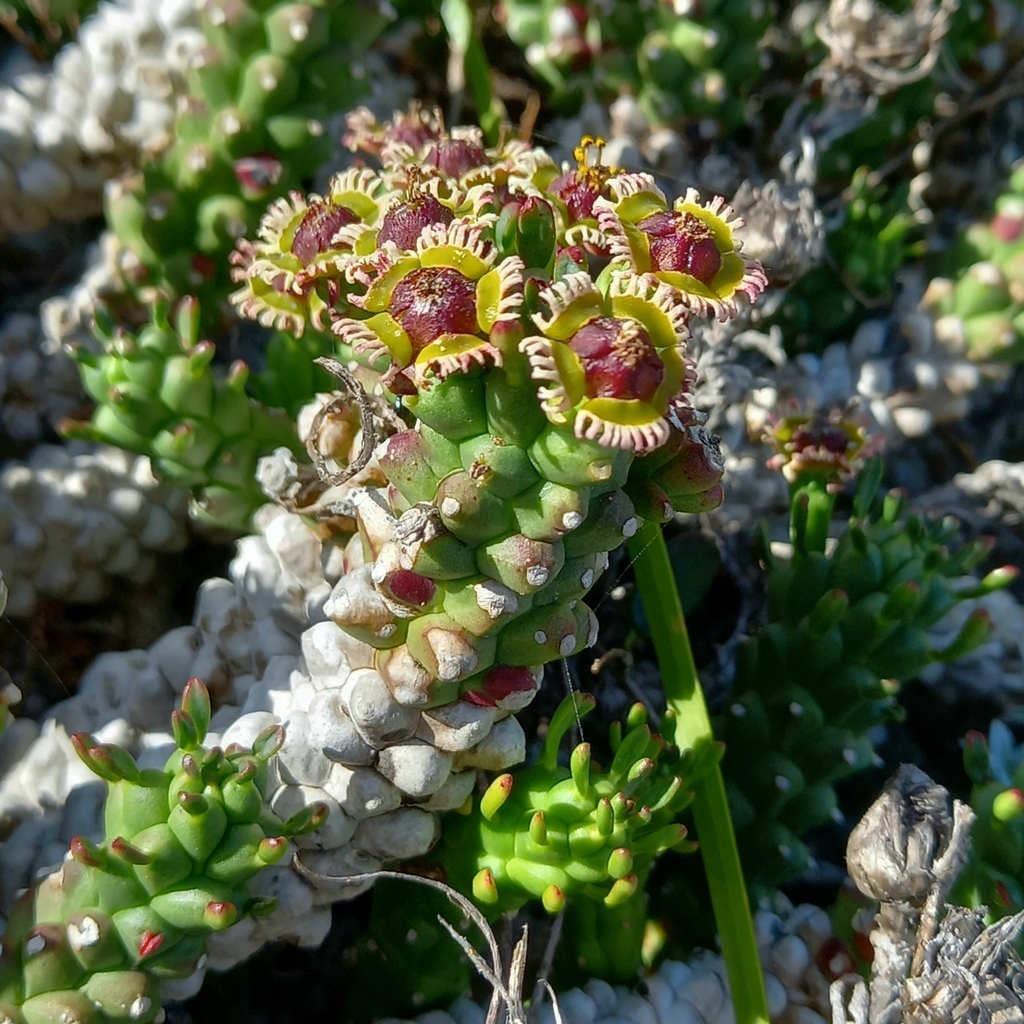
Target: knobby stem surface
x: 710, y: 808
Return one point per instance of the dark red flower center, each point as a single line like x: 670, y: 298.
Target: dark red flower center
x: 830, y: 438
x: 578, y: 190
x: 618, y: 359
x: 412, y: 131
x: 455, y: 157
x: 434, y: 301
x: 682, y: 242
x: 317, y: 228
x: 403, y: 223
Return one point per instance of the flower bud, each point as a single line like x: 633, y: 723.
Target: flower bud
x: 977, y: 761
x: 526, y: 227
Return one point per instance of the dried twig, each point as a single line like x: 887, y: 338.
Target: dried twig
x: 883, y: 49
x: 366, y: 421
x: 554, y: 937
x: 505, y: 991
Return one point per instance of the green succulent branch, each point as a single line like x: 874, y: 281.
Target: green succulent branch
x: 91, y: 943
x: 159, y: 394
x: 551, y: 831
x: 848, y: 622
x: 254, y: 125
x: 982, y: 288
x: 994, y: 875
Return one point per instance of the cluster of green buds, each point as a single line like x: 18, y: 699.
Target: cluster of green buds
x: 849, y: 620
x: 692, y: 66
x: 981, y: 301
x: 549, y: 832
x: 254, y: 124
x: 91, y: 943
x: 158, y: 393
x: 457, y: 279
x: 994, y: 876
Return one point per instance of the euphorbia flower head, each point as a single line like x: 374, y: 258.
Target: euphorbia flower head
x: 831, y: 444
x: 579, y: 190
x: 611, y: 365
x: 414, y: 127
x: 691, y: 246
x: 434, y: 310
x: 416, y: 144
x: 573, y: 190
x: 302, y: 241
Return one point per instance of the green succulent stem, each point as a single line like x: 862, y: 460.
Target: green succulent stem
x: 692, y: 729
x: 811, y: 506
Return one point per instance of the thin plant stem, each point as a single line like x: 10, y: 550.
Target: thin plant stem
x: 692, y: 729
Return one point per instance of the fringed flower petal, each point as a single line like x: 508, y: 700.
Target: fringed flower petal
x: 378, y: 273
x: 371, y: 339
x: 455, y: 353
x: 499, y: 294
x: 414, y: 127
x: 544, y: 357
x: 460, y: 245
x: 571, y: 301
x: 634, y: 196
x: 621, y: 423
x: 281, y: 311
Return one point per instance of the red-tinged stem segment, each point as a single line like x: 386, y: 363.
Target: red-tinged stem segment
x: 692, y: 729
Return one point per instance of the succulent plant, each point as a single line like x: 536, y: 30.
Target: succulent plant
x: 254, y: 125
x: 845, y: 628
x: 533, y: 393
x: 92, y: 941
x: 81, y: 517
x: 692, y: 64
x: 980, y: 300
x: 994, y: 876
x: 159, y: 394
x: 109, y: 99
x: 550, y: 832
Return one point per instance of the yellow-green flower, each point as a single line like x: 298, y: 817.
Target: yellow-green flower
x: 810, y: 442
x: 303, y: 241
x: 691, y: 246
x: 434, y: 310
x: 611, y: 365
